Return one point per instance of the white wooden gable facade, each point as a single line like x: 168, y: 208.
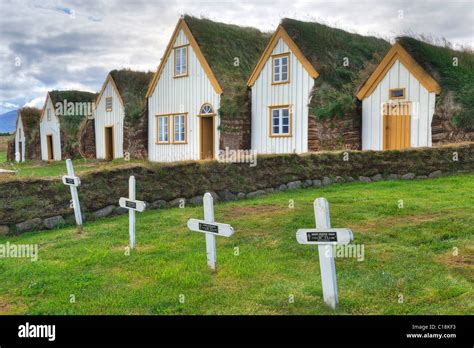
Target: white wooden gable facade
x: 183, y: 103
x: 109, y: 114
x: 281, y: 84
x: 50, y: 135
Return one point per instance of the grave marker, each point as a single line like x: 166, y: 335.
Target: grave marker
x: 132, y: 205
x: 325, y: 237
x: 211, y: 229
x: 73, y: 182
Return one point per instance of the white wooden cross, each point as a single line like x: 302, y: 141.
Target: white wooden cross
x: 73, y: 182
x: 211, y: 229
x: 132, y: 205
x: 325, y: 237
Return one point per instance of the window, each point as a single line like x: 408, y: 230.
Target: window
x: 163, y: 129
x: 207, y: 109
x: 179, y: 124
x: 397, y: 93
x: 280, y: 121
x: 281, y: 72
x: 181, y: 61
x: 108, y: 104
x: 48, y: 114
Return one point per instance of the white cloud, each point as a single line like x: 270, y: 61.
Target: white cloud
x: 35, y: 103
x: 7, y: 105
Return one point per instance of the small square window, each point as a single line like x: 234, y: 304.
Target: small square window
x: 108, y: 104
x: 179, y: 124
x: 163, y: 129
x: 280, y: 122
x: 181, y: 61
x: 397, y: 93
x: 281, y: 69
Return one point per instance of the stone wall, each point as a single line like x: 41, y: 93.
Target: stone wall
x: 169, y: 184
x: 334, y: 133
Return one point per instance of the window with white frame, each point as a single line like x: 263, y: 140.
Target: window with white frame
x: 163, y: 129
x: 280, y: 68
x: 48, y: 114
x: 179, y: 124
x: 108, y: 104
x: 181, y: 61
x: 280, y: 121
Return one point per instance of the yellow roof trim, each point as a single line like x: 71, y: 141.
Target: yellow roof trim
x: 281, y: 33
x: 109, y: 78
x: 197, y: 50
x: 397, y: 52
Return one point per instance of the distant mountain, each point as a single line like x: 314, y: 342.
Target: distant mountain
x: 8, y: 121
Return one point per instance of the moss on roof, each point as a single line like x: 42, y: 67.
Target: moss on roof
x: 438, y: 62
x: 132, y: 86
x: 327, y: 49
x: 221, y: 44
x: 30, y: 118
x: 72, y: 119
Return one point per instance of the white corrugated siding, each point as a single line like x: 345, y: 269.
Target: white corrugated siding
x: 296, y: 94
x: 423, y: 105
x: 50, y: 128
x: 105, y: 118
x: 181, y: 95
x: 19, y: 136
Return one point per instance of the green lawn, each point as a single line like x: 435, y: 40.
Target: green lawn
x: 423, y: 252
x: 58, y: 168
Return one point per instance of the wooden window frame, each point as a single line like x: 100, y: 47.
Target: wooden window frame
x: 106, y: 108
x: 185, y: 114
x: 157, y: 120
x: 211, y: 114
x: 270, y: 121
x: 174, y: 61
x: 279, y: 56
x: 394, y: 89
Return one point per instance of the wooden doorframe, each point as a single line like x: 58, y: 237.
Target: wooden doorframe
x: 201, y: 118
x: 50, y: 146
x: 106, y: 143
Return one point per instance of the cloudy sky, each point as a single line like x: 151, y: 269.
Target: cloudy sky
x: 72, y: 44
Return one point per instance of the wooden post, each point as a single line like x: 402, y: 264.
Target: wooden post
x: 131, y: 213
x: 326, y: 254
x: 75, y: 196
x: 210, y: 238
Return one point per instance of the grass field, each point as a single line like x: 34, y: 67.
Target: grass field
x: 418, y: 259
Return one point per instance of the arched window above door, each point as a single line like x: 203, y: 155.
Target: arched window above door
x: 207, y: 109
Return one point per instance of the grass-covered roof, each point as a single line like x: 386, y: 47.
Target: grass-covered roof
x: 452, y: 69
x: 30, y: 118
x: 340, y: 58
x: 72, y: 117
x: 232, y: 52
x: 132, y: 87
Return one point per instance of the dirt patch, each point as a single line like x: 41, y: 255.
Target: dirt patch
x: 371, y: 225
x: 463, y: 257
x: 4, y: 306
x: 253, y: 210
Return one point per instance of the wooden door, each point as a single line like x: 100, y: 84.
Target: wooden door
x: 49, y: 141
x: 396, y: 132
x: 109, y: 143
x: 207, y: 138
